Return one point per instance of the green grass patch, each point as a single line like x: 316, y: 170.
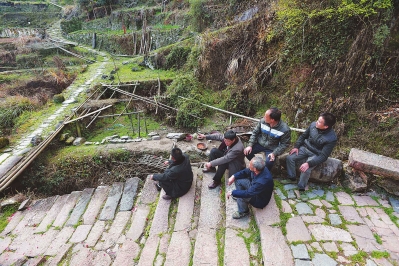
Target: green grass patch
x: 359, y: 257
x: 379, y: 254
x: 391, y: 215
x: 5, y: 215
x: 377, y: 238
x: 220, y: 233
x: 133, y: 72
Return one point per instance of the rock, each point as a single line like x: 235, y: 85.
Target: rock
x: 25, y: 204
x: 155, y: 138
x: 373, y: 163
x: 13, y: 200
x: 152, y: 134
x: 327, y: 172
x: 69, y: 141
x: 178, y: 136
x: 390, y: 185
x: 36, y: 140
x: 64, y: 136
x: 79, y: 141
x: 355, y: 181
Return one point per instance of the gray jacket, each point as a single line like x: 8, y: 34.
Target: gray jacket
x: 276, y: 138
x: 234, y: 155
x: 320, y: 142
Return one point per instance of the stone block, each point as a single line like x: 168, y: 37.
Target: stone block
x: 373, y: 163
x: 327, y: 172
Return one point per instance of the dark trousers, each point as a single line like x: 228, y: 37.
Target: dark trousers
x: 215, y: 154
x: 257, y: 148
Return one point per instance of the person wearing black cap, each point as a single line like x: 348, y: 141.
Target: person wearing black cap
x: 177, y: 178
x: 229, y: 155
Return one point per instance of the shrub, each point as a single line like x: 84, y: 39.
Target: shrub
x: 58, y: 98
x: 4, y: 142
x: 177, y: 57
x: 13, y: 107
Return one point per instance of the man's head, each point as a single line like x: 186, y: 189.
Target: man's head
x: 272, y: 116
x: 326, y: 120
x: 257, y: 164
x: 229, y: 137
x: 177, y: 154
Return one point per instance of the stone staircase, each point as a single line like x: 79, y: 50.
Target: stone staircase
x: 130, y: 224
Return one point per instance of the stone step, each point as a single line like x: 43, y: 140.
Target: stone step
x: 195, y: 229
x: 206, y: 248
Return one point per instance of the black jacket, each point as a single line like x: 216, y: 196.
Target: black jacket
x: 320, y: 142
x: 179, y: 177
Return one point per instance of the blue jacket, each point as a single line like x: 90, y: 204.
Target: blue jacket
x: 261, y: 188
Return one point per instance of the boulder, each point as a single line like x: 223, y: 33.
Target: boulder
x: 79, y: 141
x: 327, y: 172
x: 69, y: 141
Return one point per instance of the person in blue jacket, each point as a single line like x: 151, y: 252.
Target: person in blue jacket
x: 254, y: 185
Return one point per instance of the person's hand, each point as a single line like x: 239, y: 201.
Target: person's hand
x: 150, y: 177
x: 304, y: 167
x: 208, y: 165
x: 166, y: 162
x: 247, y: 150
x: 294, y: 150
x: 228, y: 194
x: 271, y: 157
x: 231, y: 180
x: 201, y: 136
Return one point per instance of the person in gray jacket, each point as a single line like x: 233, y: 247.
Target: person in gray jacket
x: 177, y: 178
x: 229, y: 155
x: 271, y: 136
x: 315, y: 146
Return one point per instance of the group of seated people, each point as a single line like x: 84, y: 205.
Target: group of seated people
x: 254, y: 185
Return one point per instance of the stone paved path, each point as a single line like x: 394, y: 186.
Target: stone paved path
x: 125, y: 224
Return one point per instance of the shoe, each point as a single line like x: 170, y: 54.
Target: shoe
x: 301, y: 189
x: 210, y: 170
x: 159, y: 188
x: 214, y: 184
x: 292, y: 178
x: 167, y: 197
x: 239, y: 215
x: 234, y: 198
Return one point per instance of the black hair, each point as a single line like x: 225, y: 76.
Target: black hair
x: 275, y: 113
x: 230, y: 134
x: 329, y: 119
x: 177, y: 154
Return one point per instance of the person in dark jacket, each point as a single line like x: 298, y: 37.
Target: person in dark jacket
x: 254, y: 185
x: 314, y: 146
x: 177, y: 178
x: 229, y: 155
x: 271, y: 136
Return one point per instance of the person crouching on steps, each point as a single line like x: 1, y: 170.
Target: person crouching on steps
x: 229, y: 155
x: 177, y: 178
x: 254, y: 185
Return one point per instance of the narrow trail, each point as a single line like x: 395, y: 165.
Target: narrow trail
x: 46, y: 128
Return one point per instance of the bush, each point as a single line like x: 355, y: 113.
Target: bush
x: 4, y: 142
x: 177, y: 57
x: 58, y: 98
x: 12, y: 108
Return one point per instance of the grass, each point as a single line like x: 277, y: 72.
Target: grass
x: 377, y: 238
x: 359, y: 257
x: 5, y: 215
x: 141, y: 74
x: 379, y: 254
x: 220, y: 233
